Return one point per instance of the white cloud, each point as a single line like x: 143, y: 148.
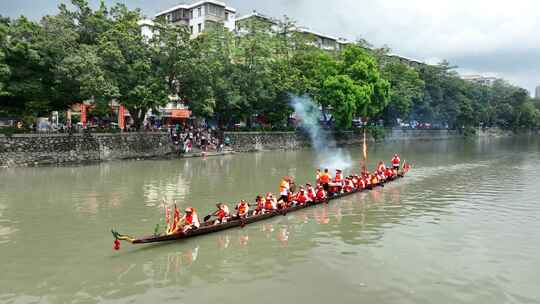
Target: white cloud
x: 490, y: 37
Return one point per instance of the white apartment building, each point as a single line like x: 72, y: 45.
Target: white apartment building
x: 200, y: 15
x: 487, y: 81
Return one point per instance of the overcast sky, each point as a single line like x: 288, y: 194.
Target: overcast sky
x: 493, y: 38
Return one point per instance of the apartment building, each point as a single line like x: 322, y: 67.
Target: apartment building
x: 325, y: 42
x: 200, y: 16
x: 479, y: 79
x: 243, y: 21
x: 537, y: 93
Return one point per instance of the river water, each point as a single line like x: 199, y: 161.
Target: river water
x: 463, y: 227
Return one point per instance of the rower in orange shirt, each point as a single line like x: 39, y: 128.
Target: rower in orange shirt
x: 325, y: 180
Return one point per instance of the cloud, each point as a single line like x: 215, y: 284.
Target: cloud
x: 484, y: 36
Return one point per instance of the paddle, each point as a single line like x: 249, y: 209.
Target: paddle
x: 206, y: 218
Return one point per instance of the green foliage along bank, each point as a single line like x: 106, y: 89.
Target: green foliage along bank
x: 248, y: 76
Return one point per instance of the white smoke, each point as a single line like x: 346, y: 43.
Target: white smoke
x: 328, y: 154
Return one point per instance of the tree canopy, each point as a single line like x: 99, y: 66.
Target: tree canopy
x: 98, y: 55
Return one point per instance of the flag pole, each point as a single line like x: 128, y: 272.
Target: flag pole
x: 365, y: 153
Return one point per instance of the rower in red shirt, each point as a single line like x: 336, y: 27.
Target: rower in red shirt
x: 396, y: 161
x: 310, y: 192
x: 321, y: 194
x: 222, y: 214
x: 301, y: 197
x: 348, y: 185
x: 190, y: 220
x: 260, y: 205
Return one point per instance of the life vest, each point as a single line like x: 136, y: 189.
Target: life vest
x: 362, y: 184
x: 396, y: 161
x: 381, y: 167
x: 242, y: 208
x: 284, y: 187
x: 191, y: 219
x: 310, y: 194
x: 338, y: 179
x: 348, y: 185
x: 320, y: 194
x: 221, y: 214
x: 260, y: 205
x: 301, y: 197
x: 374, y: 180
x: 269, y: 204
x: 325, y: 178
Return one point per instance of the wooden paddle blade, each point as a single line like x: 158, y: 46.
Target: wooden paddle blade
x: 206, y: 218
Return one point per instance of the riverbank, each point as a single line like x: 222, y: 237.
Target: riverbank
x: 23, y: 150
x: 264, y: 141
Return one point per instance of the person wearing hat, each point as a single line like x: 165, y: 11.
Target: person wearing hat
x: 260, y: 205
x: 320, y: 194
x: 221, y: 214
x: 338, y: 181
x: 310, y: 192
x: 301, y: 197
x: 348, y: 184
x: 190, y: 220
x: 270, y: 203
x: 242, y: 209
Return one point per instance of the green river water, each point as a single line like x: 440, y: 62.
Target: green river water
x: 462, y: 227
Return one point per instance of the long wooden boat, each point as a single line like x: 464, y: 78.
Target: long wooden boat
x: 207, y: 228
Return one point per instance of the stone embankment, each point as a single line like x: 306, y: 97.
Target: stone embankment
x: 53, y: 149
x: 261, y: 141
x: 50, y: 149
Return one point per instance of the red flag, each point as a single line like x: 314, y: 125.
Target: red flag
x: 121, y: 117
x: 364, y: 152
x: 176, y: 219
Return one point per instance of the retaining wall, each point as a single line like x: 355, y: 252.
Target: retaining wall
x: 42, y: 149
x: 259, y: 141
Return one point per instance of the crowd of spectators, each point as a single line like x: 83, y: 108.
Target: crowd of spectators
x: 188, y: 138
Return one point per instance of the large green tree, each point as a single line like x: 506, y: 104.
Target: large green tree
x: 365, y: 92
x: 406, y: 88
x: 131, y: 66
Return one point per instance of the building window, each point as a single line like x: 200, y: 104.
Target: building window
x: 191, y: 29
x: 226, y: 16
x: 199, y: 27
x: 199, y: 12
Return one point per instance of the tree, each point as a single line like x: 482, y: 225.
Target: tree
x: 373, y: 91
x: 4, y: 68
x: 344, y: 96
x: 131, y: 66
x: 406, y: 88
x: 23, y: 92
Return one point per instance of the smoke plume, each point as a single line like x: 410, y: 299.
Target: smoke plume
x: 328, y: 154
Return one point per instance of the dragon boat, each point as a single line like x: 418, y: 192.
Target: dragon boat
x: 209, y: 227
